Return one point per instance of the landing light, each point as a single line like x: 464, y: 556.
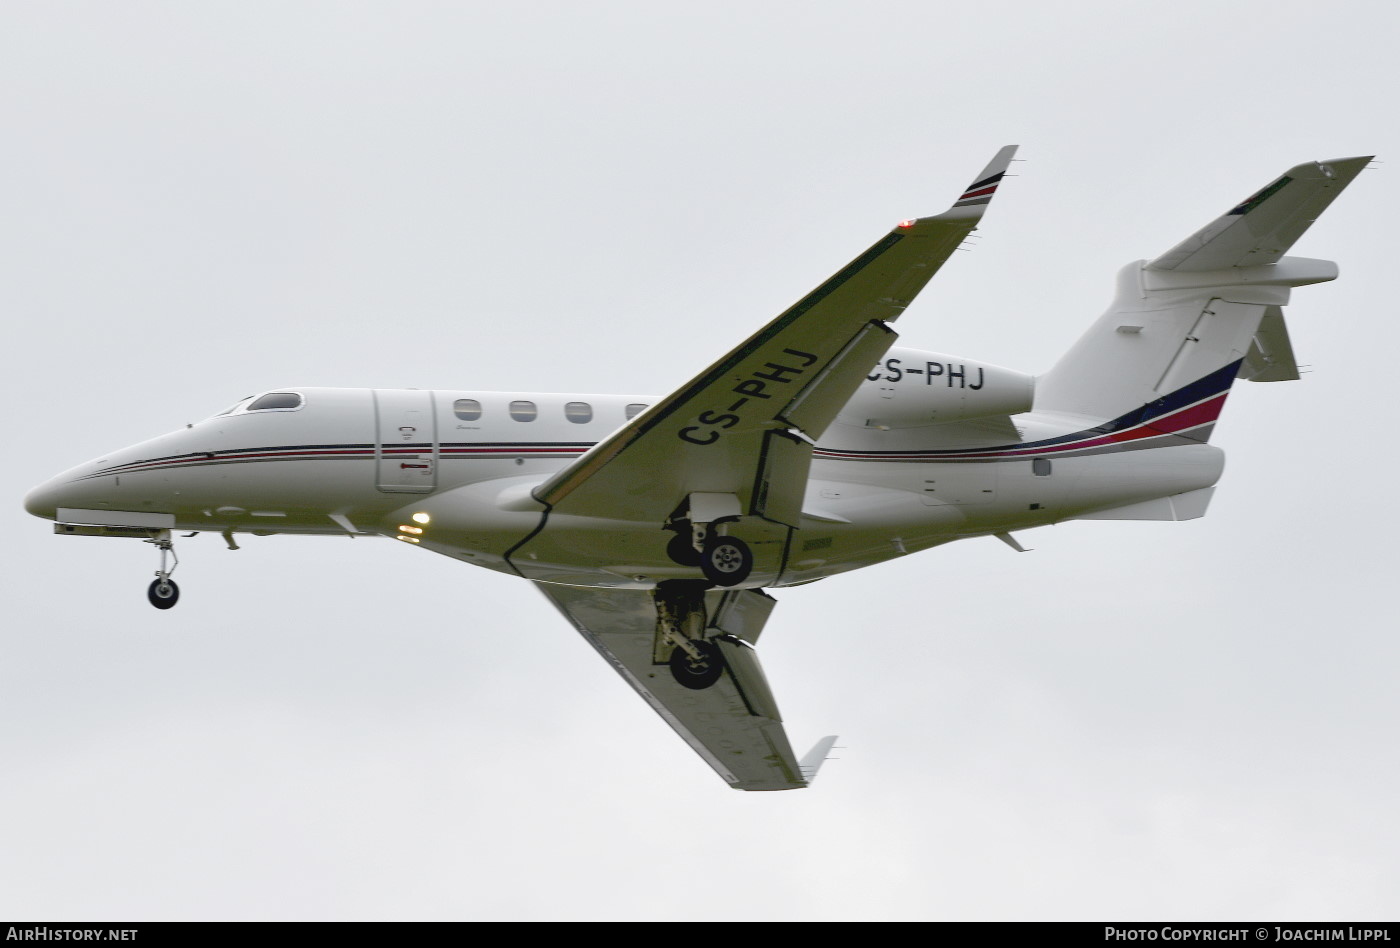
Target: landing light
x: 408, y: 539
x: 421, y: 517
x: 405, y: 528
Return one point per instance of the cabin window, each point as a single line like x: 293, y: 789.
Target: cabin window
x: 277, y: 401
x: 580, y: 413
x: 1040, y: 467
x: 635, y: 409
x: 467, y: 409
x: 523, y: 411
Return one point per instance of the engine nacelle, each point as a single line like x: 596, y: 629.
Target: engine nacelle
x: 910, y: 388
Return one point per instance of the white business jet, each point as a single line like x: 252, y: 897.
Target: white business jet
x: 814, y: 447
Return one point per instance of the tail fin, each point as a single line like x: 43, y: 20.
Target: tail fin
x: 1182, y: 327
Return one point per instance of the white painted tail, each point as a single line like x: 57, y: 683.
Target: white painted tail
x: 1182, y: 327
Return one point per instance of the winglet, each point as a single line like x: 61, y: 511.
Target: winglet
x: 976, y: 196
x: 812, y: 761
x: 982, y: 188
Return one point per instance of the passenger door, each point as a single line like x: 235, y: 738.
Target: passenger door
x: 406, y: 444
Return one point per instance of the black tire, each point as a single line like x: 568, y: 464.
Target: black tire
x: 682, y: 551
x: 697, y: 676
x: 163, y: 594
x: 727, y: 561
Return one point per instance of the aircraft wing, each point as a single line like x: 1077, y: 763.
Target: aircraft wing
x: 733, y: 724
x: 745, y: 426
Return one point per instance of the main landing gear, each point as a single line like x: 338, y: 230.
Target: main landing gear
x: 697, y: 673
x: 696, y: 662
x: 681, y: 641
x: 163, y: 593
x: 725, y: 561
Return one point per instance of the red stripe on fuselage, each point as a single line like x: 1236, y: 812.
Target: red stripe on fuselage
x: 1193, y: 416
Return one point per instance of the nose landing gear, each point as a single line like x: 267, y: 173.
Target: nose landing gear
x: 163, y: 593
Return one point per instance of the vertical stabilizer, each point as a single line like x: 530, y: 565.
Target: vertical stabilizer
x: 1182, y: 327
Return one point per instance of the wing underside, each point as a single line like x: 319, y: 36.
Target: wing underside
x: 734, y: 724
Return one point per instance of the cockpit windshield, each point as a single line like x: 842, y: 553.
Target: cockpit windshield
x: 270, y: 401
x: 276, y: 401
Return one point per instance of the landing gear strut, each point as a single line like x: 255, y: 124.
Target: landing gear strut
x: 163, y: 593
x: 696, y: 662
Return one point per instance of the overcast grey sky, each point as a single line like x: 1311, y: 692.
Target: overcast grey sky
x: 1135, y: 720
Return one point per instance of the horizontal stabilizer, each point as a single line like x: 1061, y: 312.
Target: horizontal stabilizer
x: 1183, y: 327
x: 1262, y: 228
x: 1270, y: 357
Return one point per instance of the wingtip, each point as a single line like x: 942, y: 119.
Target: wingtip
x: 1347, y: 167
x: 1000, y: 161
x: 812, y: 761
x: 980, y: 192
x: 1340, y: 170
x: 976, y: 196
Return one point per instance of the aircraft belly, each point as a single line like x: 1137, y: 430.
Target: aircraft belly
x: 847, y: 525
x: 956, y: 482
x: 597, y: 551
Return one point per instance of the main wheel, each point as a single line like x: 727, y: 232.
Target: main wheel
x: 726, y: 561
x: 701, y: 674
x: 163, y: 593
x: 682, y: 551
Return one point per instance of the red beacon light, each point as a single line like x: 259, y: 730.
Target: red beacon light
x: 908, y: 222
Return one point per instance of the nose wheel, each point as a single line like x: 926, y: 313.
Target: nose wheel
x: 163, y: 593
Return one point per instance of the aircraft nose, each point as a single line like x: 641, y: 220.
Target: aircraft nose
x: 43, y: 501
